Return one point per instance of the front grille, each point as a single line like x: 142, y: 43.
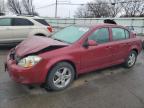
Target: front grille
x: 12, y: 54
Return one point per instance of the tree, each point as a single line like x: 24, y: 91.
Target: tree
x: 99, y: 8
x: 93, y: 9
x: 29, y: 7
x: 115, y: 7
x: 133, y: 8
x: 83, y: 12
x: 22, y: 7
x: 1, y: 7
x: 14, y: 6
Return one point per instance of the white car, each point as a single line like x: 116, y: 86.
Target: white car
x: 14, y: 29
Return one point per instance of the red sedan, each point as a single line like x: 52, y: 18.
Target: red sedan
x: 75, y: 50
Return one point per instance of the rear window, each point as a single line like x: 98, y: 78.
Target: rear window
x: 42, y: 21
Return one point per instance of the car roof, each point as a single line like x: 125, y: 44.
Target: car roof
x: 99, y: 25
x: 14, y: 16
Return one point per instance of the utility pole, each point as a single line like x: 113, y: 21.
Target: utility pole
x: 56, y: 9
x: 3, y: 8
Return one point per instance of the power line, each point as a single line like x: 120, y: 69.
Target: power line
x: 52, y: 4
x: 46, y: 6
x: 59, y: 4
x: 56, y: 8
x: 84, y: 4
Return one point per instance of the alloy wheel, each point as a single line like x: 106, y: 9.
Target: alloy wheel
x: 131, y: 60
x: 62, y: 77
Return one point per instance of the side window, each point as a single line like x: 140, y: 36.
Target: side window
x: 5, y: 22
x: 42, y: 21
x: 100, y: 35
x: 21, y: 22
x: 119, y: 34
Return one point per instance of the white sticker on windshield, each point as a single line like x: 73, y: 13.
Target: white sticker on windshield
x: 83, y: 29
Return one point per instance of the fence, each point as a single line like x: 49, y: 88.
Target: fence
x: 136, y: 23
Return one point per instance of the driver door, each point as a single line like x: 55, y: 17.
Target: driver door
x: 99, y: 56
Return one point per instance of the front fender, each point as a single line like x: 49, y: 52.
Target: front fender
x: 53, y: 61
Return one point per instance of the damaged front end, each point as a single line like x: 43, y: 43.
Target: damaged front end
x: 49, y: 48
x: 30, y: 59
x: 14, y: 56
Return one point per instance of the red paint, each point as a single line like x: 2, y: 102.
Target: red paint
x: 84, y: 59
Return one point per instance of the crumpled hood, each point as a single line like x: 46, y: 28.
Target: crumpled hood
x: 36, y: 43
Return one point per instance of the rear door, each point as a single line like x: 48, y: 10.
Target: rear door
x: 21, y: 27
x: 121, y: 44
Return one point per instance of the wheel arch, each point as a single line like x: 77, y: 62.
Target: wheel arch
x: 136, y: 50
x: 64, y: 60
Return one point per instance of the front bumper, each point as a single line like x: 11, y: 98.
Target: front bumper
x: 19, y: 75
x: 34, y: 75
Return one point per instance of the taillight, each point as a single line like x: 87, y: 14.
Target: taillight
x: 49, y: 28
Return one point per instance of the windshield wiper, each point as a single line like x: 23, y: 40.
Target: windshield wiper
x: 61, y: 40
x: 58, y: 40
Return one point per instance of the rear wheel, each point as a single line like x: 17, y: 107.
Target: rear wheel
x: 60, y: 76
x: 130, y: 61
x: 143, y: 44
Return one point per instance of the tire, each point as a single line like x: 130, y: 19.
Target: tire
x: 60, y: 77
x: 143, y: 44
x: 131, y: 59
x: 40, y: 35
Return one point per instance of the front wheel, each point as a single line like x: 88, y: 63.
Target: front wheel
x: 60, y: 76
x: 130, y: 61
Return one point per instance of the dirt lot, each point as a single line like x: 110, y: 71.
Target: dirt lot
x: 114, y: 87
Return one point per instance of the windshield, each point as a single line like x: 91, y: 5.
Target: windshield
x: 70, y: 34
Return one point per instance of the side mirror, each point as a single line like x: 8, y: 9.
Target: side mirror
x: 89, y: 43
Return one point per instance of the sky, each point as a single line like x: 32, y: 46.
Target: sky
x: 63, y: 11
